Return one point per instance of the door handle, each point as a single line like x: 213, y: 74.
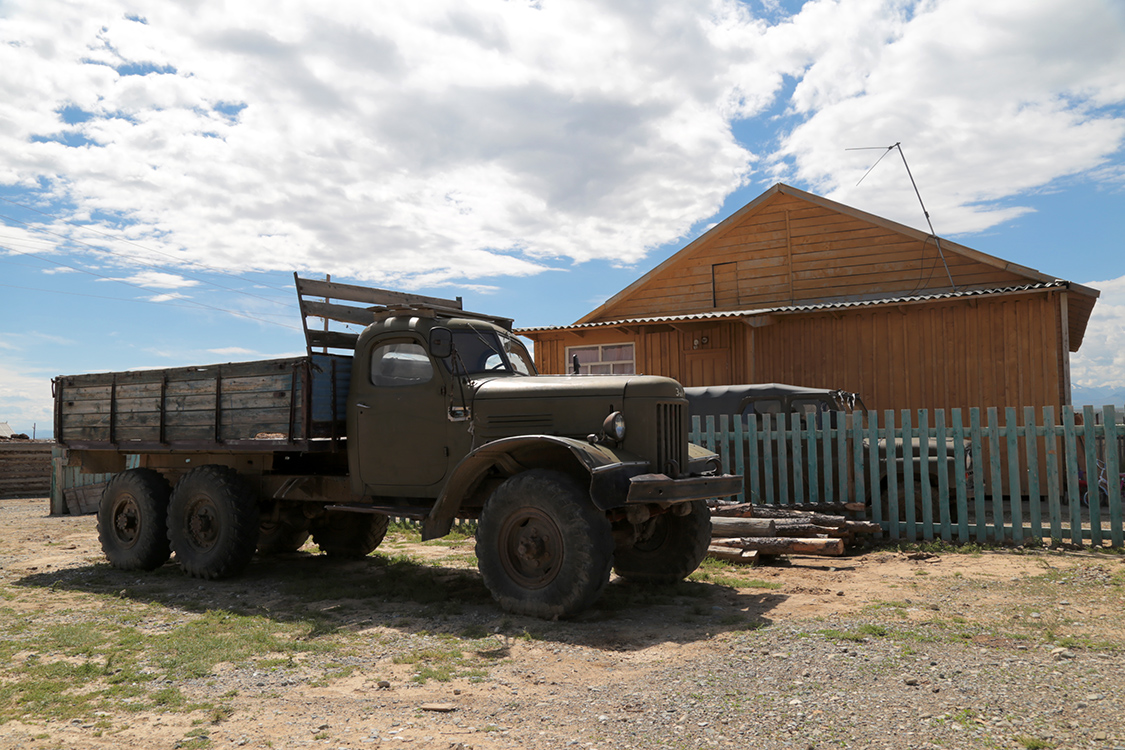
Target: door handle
x: 363, y: 406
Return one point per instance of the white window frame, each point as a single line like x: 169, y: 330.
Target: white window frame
x: 585, y: 368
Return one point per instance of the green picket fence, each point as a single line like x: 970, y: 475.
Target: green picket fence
x: 932, y: 475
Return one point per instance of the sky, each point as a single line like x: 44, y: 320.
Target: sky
x: 166, y: 167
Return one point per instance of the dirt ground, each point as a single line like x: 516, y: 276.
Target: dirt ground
x: 888, y: 648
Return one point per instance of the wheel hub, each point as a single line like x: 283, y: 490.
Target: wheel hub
x: 202, y: 525
x: 531, y: 548
x: 126, y: 521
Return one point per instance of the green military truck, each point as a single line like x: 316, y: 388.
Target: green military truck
x: 432, y: 413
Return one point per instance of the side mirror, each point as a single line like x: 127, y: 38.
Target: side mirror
x: 441, y: 343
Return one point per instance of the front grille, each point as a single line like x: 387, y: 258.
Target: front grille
x: 671, y: 439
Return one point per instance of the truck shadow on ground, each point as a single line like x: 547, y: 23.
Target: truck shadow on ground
x: 333, y: 596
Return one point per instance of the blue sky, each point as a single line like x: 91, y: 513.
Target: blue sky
x: 164, y: 170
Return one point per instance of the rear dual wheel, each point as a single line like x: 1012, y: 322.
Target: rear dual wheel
x: 133, y: 520
x: 213, y: 522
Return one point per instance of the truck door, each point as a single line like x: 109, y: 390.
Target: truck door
x: 401, y: 420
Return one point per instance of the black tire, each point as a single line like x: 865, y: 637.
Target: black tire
x: 667, y: 547
x: 543, y: 549
x: 351, y: 536
x: 279, y: 537
x: 213, y: 522
x: 133, y: 520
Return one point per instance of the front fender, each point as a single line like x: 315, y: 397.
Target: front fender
x: 609, y: 471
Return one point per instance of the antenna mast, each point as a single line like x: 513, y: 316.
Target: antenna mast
x: 937, y: 240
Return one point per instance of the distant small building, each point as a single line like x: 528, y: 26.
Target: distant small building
x: 795, y: 288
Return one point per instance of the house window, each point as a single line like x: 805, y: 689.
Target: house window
x: 602, y: 359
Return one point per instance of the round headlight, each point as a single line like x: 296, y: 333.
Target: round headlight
x: 614, y: 426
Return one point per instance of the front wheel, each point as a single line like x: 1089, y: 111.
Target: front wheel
x: 543, y: 549
x: 667, y: 547
x: 213, y: 522
x: 133, y: 520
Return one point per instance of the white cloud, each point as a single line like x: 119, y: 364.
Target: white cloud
x: 157, y: 280
x: 232, y: 351
x: 441, y: 141
x: 990, y: 100
x: 1101, y: 360
x: 26, y: 398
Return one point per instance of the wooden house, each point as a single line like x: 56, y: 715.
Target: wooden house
x: 795, y: 288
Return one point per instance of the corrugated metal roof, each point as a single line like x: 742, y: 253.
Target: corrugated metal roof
x: 731, y: 314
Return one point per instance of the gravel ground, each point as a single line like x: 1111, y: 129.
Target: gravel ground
x: 886, y: 649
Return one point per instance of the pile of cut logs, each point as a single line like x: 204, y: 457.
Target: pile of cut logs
x: 740, y: 533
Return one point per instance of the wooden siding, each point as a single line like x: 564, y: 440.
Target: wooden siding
x: 963, y: 353
x: 693, y: 353
x: 790, y: 251
x: 990, y: 352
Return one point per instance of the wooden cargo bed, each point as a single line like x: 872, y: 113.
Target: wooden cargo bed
x: 268, y: 405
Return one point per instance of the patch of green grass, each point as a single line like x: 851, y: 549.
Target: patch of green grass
x: 857, y: 634
x: 452, y: 659
x: 722, y: 573
x: 1033, y: 743
x: 73, y: 670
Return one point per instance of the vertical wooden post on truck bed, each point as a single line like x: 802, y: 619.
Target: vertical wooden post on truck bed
x: 113, y: 410
x: 218, y: 404
x: 162, y: 409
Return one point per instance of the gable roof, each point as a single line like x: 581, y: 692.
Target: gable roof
x: 891, y: 252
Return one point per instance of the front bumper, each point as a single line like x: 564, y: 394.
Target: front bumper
x: 660, y: 488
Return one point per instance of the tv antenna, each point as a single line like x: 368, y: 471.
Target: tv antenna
x: 888, y: 149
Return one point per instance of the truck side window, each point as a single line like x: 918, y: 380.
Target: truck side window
x: 399, y: 364
x: 766, y: 406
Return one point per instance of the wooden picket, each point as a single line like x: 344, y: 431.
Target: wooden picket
x: 1004, y: 476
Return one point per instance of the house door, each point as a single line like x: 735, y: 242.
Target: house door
x: 707, y: 367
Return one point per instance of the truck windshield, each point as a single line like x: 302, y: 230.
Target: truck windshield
x: 486, y: 350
